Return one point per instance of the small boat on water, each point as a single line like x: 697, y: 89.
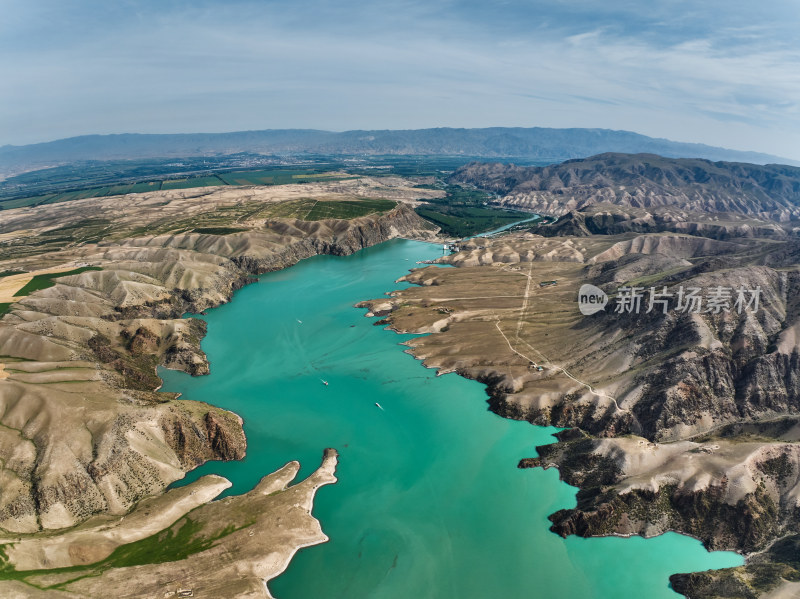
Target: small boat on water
x: 300, y: 321
x: 379, y: 405
x: 324, y: 382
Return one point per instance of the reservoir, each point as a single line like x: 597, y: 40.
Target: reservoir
x: 429, y: 503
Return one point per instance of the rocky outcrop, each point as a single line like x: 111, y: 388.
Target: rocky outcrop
x: 223, y: 437
x: 730, y: 495
x: 217, y: 435
x: 771, y: 573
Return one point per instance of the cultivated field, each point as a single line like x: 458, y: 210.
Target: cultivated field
x: 238, y: 178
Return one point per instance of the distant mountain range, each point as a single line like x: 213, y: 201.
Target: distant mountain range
x: 535, y: 144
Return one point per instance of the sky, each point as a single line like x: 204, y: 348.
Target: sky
x: 724, y: 73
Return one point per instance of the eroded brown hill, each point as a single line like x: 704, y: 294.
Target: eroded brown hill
x: 84, y: 430
x: 643, y: 181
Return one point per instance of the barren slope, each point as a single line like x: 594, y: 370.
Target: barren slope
x: 644, y: 181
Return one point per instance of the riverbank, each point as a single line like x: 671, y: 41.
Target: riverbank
x: 428, y: 499
x: 655, y: 443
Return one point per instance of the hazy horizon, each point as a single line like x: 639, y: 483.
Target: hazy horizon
x: 122, y: 133
x: 720, y: 74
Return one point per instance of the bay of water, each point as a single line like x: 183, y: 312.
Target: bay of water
x: 429, y: 503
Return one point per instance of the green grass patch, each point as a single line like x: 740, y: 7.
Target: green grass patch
x: 312, y: 210
x: 218, y: 230
x: 277, y: 177
x: 291, y: 209
x: 92, y: 193
x: 211, y: 181
x: 170, y: 545
x: 47, y: 280
x: 117, y: 190
x: 142, y: 187
x: 464, y: 212
x: 22, y: 202
x: 465, y: 222
x: 5, y: 307
x: 183, y: 539
x: 345, y: 209
x: 70, y: 195
x: 6, y: 358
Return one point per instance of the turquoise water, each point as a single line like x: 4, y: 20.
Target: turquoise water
x: 507, y: 227
x: 429, y: 502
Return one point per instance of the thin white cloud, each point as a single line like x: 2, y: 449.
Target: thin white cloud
x: 340, y: 66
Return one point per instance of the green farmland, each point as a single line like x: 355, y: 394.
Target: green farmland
x: 277, y: 176
x: 312, y: 210
x: 47, y: 280
x: 464, y: 212
x: 189, y: 182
